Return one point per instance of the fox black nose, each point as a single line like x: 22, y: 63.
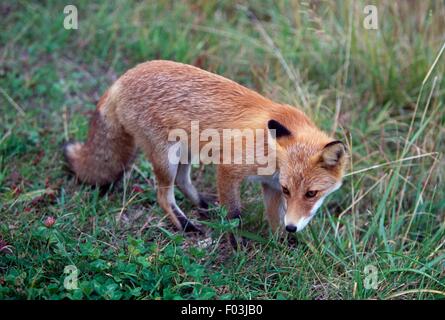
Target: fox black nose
x: 291, y: 228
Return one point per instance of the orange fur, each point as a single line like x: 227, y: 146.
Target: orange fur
x: 144, y: 104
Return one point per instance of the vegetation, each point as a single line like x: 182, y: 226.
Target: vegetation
x: 380, y: 90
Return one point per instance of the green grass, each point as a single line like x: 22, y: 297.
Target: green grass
x: 372, y: 88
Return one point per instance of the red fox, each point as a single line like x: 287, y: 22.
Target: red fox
x: 149, y: 101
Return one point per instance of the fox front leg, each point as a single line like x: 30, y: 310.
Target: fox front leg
x: 229, y: 184
x: 274, y: 206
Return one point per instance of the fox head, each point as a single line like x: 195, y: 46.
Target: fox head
x: 311, y: 166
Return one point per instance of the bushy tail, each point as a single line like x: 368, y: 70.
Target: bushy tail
x: 108, y: 150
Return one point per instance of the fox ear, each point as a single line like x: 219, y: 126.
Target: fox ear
x: 277, y: 129
x: 332, y: 153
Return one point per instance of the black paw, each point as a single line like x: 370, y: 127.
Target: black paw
x: 189, y: 226
x: 205, y: 200
x: 237, y: 242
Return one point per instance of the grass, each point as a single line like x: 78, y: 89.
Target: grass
x: 381, y: 90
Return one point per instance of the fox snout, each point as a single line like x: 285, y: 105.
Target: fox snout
x: 299, y: 214
x: 297, y: 218
x: 297, y: 224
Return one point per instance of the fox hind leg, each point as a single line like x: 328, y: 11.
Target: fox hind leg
x: 165, y: 178
x: 184, y: 183
x: 186, y: 186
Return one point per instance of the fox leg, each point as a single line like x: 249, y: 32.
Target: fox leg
x: 165, y: 173
x: 274, y: 206
x: 229, y: 191
x: 184, y: 184
x: 229, y: 196
x: 166, y: 200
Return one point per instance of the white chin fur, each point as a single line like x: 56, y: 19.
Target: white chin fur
x: 303, y: 222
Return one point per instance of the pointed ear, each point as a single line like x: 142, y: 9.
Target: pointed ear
x: 277, y: 129
x: 332, y: 154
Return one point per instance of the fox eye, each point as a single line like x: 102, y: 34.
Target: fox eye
x: 311, y: 193
x: 285, y: 190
